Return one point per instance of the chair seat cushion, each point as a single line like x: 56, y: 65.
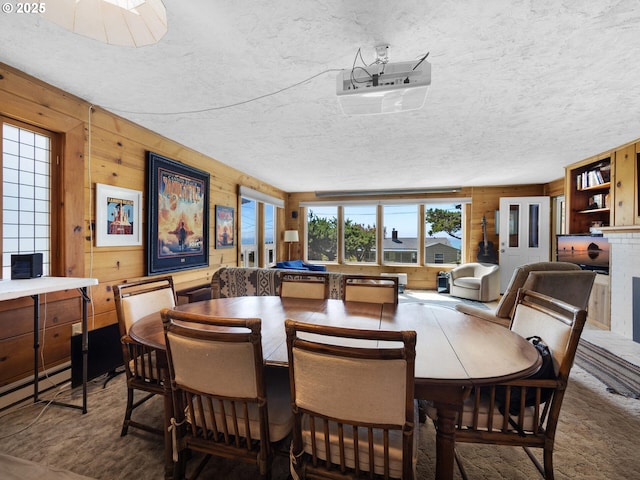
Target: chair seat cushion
x: 483, y: 415
x: 395, y: 446
x: 279, y: 408
x: 145, y: 369
x: 468, y: 282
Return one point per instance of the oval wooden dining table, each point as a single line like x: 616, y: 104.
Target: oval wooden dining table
x: 454, y: 351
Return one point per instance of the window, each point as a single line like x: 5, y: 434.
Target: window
x: 360, y: 234
x: 443, y: 233
x: 258, y: 229
x: 322, y: 234
x: 26, y: 194
x: 269, y: 235
x: 248, y: 233
x: 400, y: 240
x: 402, y: 244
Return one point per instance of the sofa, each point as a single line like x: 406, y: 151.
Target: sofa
x: 253, y: 281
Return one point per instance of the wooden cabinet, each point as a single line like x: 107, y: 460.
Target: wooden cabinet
x: 599, y: 309
x: 603, y: 190
x: 588, y: 194
x: 625, y: 183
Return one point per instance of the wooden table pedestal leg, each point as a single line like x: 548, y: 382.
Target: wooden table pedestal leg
x: 447, y: 399
x: 445, y: 441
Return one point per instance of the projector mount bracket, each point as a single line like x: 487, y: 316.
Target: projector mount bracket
x: 382, y: 54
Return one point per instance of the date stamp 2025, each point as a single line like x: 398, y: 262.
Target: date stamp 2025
x: 24, y: 7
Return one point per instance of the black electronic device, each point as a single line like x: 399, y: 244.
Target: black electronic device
x: 103, y: 356
x: 26, y: 266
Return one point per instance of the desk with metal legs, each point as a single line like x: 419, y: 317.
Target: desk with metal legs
x: 34, y: 287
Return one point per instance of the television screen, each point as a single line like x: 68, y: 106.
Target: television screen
x: 591, y: 252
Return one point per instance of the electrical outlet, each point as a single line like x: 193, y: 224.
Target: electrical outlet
x: 76, y: 329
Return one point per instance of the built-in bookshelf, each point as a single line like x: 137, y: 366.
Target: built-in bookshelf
x: 604, y: 191
x: 589, y: 200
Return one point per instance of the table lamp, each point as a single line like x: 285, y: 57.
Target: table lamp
x: 290, y: 236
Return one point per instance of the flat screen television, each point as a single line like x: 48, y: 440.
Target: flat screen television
x: 590, y: 252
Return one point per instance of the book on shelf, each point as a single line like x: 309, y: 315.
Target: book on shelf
x: 597, y: 201
x: 593, y: 177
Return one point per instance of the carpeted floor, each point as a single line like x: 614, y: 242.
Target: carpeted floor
x: 596, y: 439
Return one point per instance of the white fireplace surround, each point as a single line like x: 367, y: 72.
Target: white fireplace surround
x: 624, y: 265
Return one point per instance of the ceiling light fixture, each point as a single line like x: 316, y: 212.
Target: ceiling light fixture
x: 128, y: 23
x: 383, y: 87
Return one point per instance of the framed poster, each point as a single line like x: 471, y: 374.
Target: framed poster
x: 178, y: 216
x: 225, y: 227
x: 118, y: 216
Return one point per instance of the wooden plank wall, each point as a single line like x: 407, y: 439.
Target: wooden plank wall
x: 118, y: 158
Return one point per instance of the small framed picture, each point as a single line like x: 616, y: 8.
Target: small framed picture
x: 118, y: 216
x: 225, y: 227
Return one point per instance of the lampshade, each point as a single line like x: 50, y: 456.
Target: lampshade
x: 291, y: 236
x: 130, y: 23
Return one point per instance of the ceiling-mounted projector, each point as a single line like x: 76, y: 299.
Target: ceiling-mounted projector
x: 384, y: 87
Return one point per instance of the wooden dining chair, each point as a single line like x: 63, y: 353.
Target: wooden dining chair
x: 354, y: 409
x: 370, y: 289
x: 225, y: 403
x: 135, y: 300
x: 304, y: 285
x: 491, y: 415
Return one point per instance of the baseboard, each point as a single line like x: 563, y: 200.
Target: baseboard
x: 18, y: 392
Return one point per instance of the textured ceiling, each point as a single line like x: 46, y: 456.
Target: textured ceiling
x: 519, y: 88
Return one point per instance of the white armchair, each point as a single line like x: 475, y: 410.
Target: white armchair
x: 475, y: 281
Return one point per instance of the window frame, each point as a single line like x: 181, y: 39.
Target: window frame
x: 260, y: 249
x: 269, y: 249
x: 374, y: 249
x: 445, y: 201
x: 422, y: 205
x: 55, y: 267
x: 338, y: 234
x: 247, y: 250
x: 418, y: 216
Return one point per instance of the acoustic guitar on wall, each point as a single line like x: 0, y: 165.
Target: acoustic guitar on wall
x: 486, y: 252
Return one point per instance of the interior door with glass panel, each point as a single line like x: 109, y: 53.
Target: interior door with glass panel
x: 524, y: 233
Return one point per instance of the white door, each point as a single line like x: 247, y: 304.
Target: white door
x: 524, y: 233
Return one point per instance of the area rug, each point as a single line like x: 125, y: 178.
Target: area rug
x: 439, y: 299
x: 620, y: 376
